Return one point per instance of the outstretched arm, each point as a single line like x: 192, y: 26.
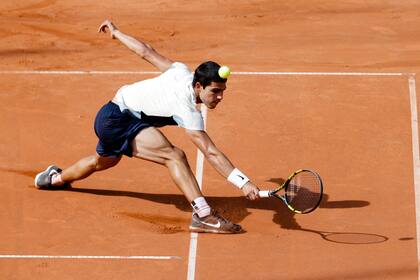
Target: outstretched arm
x: 144, y: 50
x: 218, y: 160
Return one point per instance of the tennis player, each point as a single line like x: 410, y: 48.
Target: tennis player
x: 128, y: 125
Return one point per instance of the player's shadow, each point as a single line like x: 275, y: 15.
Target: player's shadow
x: 235, y: 208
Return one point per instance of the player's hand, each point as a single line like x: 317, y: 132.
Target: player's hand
x: 107, y: 24
x: 251, y: 191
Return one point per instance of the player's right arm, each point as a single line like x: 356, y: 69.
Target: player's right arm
x: 142, y: 49
x: 219, y: 160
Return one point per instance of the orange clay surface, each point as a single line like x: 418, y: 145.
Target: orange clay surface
x: 355, y: 131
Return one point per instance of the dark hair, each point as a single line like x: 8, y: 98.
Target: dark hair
x: 206, y: 73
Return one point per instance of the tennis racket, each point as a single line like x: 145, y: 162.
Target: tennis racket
x: 302, y: 191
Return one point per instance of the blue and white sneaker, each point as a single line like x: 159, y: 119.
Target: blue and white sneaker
x: 43, y: 179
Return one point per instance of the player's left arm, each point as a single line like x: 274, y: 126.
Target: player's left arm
x: 218, y: 159
x: 144, y: 50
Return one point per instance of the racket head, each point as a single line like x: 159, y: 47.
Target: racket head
x: 303, y: 191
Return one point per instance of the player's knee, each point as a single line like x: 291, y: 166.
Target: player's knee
x: 98, y: 163
x: 177, y: 154
x: 103, y: 163
x: 90, y: 163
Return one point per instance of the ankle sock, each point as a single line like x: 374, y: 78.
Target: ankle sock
x: 56, y: 180
x: 201, y: 207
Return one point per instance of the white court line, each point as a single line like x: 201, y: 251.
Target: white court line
x: 416, y: 158
x: 91, y: 257
x: 274, y: 73
x: 199, y: 176
x: 319, y: 73
x: 75, y: 72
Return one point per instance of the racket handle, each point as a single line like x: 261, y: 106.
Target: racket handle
x: 264, y: 193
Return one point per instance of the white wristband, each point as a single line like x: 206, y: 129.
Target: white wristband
x: 238, y: 178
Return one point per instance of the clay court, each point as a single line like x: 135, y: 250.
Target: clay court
x: 316, y: 84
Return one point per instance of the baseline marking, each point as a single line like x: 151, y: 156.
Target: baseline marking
x: 416, y: 157
x: 91, y: 257
x: 320, y: 73
x: 99, y: 72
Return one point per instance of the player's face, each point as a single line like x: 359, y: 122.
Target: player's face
x: 212, y: 94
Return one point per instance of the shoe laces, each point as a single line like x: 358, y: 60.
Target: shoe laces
x: 52, y: 173
x: 217, y: 215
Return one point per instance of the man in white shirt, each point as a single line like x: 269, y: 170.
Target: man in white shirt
x: 127, y: 125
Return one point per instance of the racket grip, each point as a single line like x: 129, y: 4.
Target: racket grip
x: 264, y: 193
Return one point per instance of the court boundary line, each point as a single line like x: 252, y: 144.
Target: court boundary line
x: 267, y: 73
x: 416, y: 159
x: 90, y: 257
x: 199, y: 170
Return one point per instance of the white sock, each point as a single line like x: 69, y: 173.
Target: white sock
x: 56, y: 180
x: 201, y: 207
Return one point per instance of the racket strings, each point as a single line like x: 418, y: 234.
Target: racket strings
x: 304, y: 191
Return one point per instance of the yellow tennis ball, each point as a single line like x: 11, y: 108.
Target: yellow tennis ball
x: 224, y: 72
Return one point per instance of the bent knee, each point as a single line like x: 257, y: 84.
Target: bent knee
x: 102, y: 163
x: 176, y: 154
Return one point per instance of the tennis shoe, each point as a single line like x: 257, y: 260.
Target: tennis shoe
x: 213, y: 223
x: 43, y: 179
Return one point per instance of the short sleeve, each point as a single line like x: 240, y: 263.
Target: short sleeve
x: 179, y: 65
x: 192, y: 120
x: 177, y: 72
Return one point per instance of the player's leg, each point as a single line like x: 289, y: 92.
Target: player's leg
x: 150, y: 144
x: 110, y: 127
x: 88, y: 165
x: 53, y: 176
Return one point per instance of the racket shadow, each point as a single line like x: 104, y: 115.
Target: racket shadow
x: 286, y: 220
x: 351, y: 238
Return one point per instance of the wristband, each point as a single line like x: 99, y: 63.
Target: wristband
x: 238, y: 178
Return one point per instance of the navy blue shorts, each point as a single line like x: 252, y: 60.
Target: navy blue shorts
x: 116, y: 130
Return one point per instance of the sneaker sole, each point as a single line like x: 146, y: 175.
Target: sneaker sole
x: 209, y: 230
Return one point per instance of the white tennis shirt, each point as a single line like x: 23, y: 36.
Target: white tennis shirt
x: 170, y: 94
